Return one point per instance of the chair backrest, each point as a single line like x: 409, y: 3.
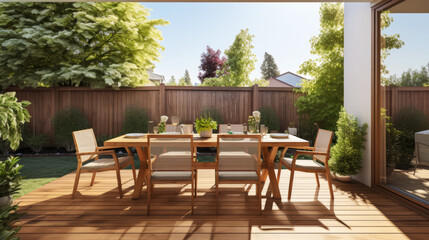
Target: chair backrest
x: 223, y: 128
x: 170, y: 152
x: 238, y: 152
x: 422, y: 147
x: 323, y: 144
x: 84, y: 141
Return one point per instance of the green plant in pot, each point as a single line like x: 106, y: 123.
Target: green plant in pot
x: 393, y: 145
x: 205, y: 126
x: 347, y: 154
x: 10, y: 179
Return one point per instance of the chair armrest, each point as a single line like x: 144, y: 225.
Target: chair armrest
x: 108, y: 152
x: 309, y: 153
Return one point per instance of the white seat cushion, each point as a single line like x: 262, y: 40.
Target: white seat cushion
x: 238, y: 176
x: 173, y: 160
x: 171, y: 176
x: 105, y: 163
x: 302, y: 164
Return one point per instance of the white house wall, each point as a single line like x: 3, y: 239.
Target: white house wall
x: 357, y: 73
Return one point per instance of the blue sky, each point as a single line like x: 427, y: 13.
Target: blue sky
x: 415, y: 52
x: 281, y: 29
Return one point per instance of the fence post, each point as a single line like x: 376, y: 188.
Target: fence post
x: 255, y: 97
x: 162, y: 99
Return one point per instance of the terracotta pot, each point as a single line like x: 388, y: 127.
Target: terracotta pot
x: 342, y: 178
x: 206, y: 133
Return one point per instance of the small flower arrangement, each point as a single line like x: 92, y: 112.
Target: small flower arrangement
x: 162, y: 124
x: 253, y: 122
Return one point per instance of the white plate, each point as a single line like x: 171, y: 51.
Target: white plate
x: 134, y: 135
x: 279, y: 135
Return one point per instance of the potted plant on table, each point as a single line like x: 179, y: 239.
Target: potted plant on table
x: 253, y: 122
x: 347, y: 154
x: 162, y: 124
x: 292, y: 129
x: 205, y: 126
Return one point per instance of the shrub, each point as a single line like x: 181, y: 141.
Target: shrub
x: 408, y: 121
x: 102, y: 138
x: 307, y: 129
x: 35, y: 141
x: 346, y: 155
x: 65, y: 122
x: 136, y: 120
x: 393, y: 141
x: 269, y: 118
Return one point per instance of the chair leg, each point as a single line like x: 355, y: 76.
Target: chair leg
x: 258, y: 194
x: 193, y: 192
x: 93, y: 178
x: 317, y: 179
x: 217, y: 193
x: 76, y: 182
x: 149, y: 194
x: 118, y: 177
x: 328, y: 177
x: 195, y: 187
x: 292, y: 172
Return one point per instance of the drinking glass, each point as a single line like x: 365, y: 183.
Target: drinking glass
x: 155, y: 129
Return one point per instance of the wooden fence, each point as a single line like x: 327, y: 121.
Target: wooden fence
x: 105, y: 108
x: 398, y: 98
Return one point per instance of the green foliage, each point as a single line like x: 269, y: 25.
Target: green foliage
x: 172, y: 81
x: 102, y: 138
x: 213, y: 113
x: 10, y: 176
x: 239, y: 65
x: 269, y: 67
x: 408, y: 121
x: 13, y: 114
x: 204, y: 123
x: 136, y: 120
x: 65, y: 122
x: 346, y: 155
x: 77, y: 44
x: 270, y: 118
x: 393, y: 141
x: 185, y: 80
x: 36, y: 142
x: 9, y: 215
x: 411, y: 78
x: 324, y: 91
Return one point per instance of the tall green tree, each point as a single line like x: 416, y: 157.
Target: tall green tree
x: 185, y: 80
x: 269, y: 67
x: 172, y: 81
x: 411, y: 78
x: 239, y: 64
x: 77, y: 44
x: 324, y: 91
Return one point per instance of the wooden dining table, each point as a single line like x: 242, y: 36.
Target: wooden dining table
x: 270, y: 146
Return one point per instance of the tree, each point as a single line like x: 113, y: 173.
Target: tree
x: 172, y: 81
x: 323, y: 94
x: 239, y: 64
x: 77, y: 44
x: 269, y: 67
x: 411, y: 78
x: 185, y: 80
x: 211, y: 62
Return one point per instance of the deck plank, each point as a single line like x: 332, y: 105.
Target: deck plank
x: 358, y: 212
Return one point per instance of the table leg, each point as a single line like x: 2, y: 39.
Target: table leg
x: 269, y: 156
x: 142, y: 153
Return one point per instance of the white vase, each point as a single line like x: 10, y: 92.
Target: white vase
x: 293, y: 131
x: 206, y: 133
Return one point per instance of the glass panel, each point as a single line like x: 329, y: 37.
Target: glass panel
x: 404, y: 99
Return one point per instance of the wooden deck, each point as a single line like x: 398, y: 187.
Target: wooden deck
x: 357, y: 212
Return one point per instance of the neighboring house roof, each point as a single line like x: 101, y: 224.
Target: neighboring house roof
x: 155, y: 79
x: 287, y: 79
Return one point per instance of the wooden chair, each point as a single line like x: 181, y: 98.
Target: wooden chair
x: 223, y: 128
x: 171, y: 161
x: 87, y: 149
x: 320, y: 153
x: 238, y: 161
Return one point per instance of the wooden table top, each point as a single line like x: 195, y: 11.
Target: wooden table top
x: 267, y: 141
